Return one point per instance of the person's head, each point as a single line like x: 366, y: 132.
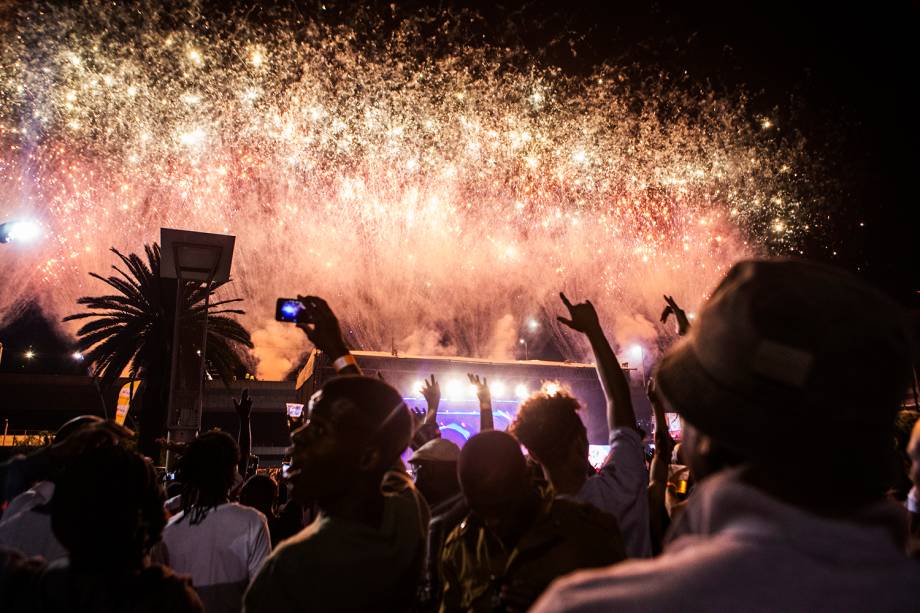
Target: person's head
x: 107, y: 509
x: 355, y: 431
x: 913, y: 451
x: 904, y: 423
x: 791, y: 359
x: 549, y: 426
x: 495, y: 479
x: 260, y: 492
x: 75, y: 424
x: 207, y: 471
x: 435, y: 465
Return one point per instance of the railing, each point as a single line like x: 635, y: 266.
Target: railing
x: 26, y: 438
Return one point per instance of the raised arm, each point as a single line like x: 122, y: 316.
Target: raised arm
x: 322, y: 328
x: 661, y: 461
x: 485, y: 402
x: 683, y: 324
x: 583, y: 318
x: 243, y: 408
x: 431, y: 391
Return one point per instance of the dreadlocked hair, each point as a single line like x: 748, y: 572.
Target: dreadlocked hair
x: 207, y: 472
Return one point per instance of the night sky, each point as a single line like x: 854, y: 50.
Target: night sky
x: 841, y: 76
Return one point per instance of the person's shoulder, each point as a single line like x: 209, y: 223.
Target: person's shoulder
x: 460, y: 532
x: 242, y: 512
x: 303, y: 547
x: 661, y: 584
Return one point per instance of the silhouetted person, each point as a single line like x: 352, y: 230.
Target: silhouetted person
x: 364, y: 551
x: 220, y: 544
x: 26, y: 522
x: 435, y: 465
x: 107, y: 512
x: 552, y: 431
x: 774, y: 370
x: 516, y: 540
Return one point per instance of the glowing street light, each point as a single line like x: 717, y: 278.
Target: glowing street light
x: 20, y: 231
x: 523, y: 341
x: 29, y: 354
x: 533, y: 325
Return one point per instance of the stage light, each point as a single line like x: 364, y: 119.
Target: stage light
x: 497, y: 389
x: 551, y: 388
x: 520, y: 390
x: 453, y: 390
x: 24, y: 231
x: 417, y: 387
x: 636, y: 350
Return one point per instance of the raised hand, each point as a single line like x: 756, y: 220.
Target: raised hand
x: 418, y: 417
x: 322, y: 327
x: 683, y: 324
x: 243, y: 406
x: 486, y: 422
x: 482, y: 389
x: 431, y: 390
x: 582, y: 316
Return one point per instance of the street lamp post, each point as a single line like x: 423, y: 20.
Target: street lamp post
x: 196, y: 260
x: 523, y: 341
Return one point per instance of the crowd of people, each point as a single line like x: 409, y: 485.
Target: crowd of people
x: 794, y: 487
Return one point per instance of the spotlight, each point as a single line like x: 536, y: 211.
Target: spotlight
x: 520, y: 390
x: 20, y: 231
x: 454, y: 390
x: 417, y: 387
x: 532, y: 324
x: 551, y: 388
x: 497, y: 389
x: 76, y: 355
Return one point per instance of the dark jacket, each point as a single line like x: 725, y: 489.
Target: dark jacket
x: 565, y: 536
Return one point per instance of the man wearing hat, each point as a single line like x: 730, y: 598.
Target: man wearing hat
x: 435, y: 465
x: 799, y: 369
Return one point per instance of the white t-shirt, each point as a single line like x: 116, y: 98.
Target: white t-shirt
x: 621, y: 488
x: 222, y: 553
x: 26, y: 525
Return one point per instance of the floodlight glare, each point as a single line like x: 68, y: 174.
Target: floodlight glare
x: 23, y: 231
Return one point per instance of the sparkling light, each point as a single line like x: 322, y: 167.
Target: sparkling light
x: 437, y: 201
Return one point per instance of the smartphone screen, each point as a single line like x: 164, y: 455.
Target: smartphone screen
x: 294, y: 409
x: 288, y: 310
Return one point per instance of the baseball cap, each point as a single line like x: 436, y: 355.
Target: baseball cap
x: 436, y: 450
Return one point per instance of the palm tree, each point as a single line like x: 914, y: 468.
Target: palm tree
x: 132, y: 330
